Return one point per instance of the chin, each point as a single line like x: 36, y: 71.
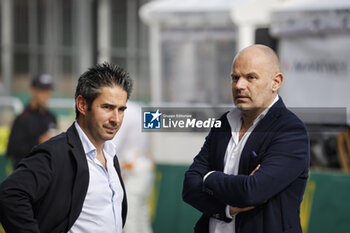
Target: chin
x: 242, y: 106
x: 111, y: 136
x: 108, y: 136
x: 245, y: 108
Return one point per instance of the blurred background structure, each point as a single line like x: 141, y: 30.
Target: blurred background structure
x: 65, y: 37
x: 180, y: 52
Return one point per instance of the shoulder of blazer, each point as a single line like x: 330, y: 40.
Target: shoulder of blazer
x: 77, y: 148
x: 223, y: 134
x: 225, y: 126
x: 69, y: 138
x: 73, y: 137
x: 277, y: 118
x: 279, y: 110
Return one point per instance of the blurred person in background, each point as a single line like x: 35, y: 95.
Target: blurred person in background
x: 36, y: 123
x: 72, y: 182
x: 251, y: 173
x: 137, y: 166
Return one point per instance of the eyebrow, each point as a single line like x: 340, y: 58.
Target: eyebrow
x: 113, y: 105
x: 252, y: 73
x: 249, y: 73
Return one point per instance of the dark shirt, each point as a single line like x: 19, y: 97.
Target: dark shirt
x: 26, y: 130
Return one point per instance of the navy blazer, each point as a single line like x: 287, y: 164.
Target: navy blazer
x: 279, y: 143
x: 46, y: 192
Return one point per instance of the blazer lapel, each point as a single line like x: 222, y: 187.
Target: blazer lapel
x: 257, y: 136
x: 124, y: 204
x: 81, y: 182
x: 222, y: 142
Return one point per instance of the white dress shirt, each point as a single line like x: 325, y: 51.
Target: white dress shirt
x: 102, y: 207
x: 231, y: 162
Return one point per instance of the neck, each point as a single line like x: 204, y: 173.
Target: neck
x: 87, y: 132
x: 248, y: 116
x: 35, y: 105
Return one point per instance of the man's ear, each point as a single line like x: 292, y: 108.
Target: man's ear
x: 81, y: 104
x: 277, y: 81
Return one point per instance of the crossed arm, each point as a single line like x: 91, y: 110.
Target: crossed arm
x: 285, y: 159
x: 234, y: 210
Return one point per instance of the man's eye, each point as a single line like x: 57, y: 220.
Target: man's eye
x: 235, y: 78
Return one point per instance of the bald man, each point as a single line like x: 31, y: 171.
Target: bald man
x: 250, y: 174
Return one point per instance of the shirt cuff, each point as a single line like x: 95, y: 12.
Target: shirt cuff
x: 206, y: 175
x: 227, y: 210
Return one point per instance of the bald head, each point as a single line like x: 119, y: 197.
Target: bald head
x: 256, y: 78
x: 264, y: 53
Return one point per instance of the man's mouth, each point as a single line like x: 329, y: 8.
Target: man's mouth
x: 111, y: 129
x: 241, y: 97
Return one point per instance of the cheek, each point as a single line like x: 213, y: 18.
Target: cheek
x: 98, y: 117
x: 121, y: 118
x: 234, y: 88
x: 256, y: 93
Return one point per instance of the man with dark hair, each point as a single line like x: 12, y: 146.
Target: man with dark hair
x: 36, y: 123
x: 250, y: 175
x: 72, y: 182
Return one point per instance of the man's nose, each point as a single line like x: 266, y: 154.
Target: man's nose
x: 116, y: 117
x: 240, y: 84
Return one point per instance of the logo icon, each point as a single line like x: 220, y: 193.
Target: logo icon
x: 151, y: 120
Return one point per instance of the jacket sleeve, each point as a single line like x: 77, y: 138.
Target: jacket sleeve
x: 194, y: 193
x: 286, y: 159
x: 21, y: 190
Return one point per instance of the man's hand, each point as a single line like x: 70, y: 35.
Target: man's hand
x: 257, y: 168
x: 235, y: 210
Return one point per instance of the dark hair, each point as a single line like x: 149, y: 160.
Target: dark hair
x: 101, y: 75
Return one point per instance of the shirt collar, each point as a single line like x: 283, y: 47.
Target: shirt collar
x: 262, y: 115
x: 234, y: 116
x: 87, y: 145
x: 108, y: 147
